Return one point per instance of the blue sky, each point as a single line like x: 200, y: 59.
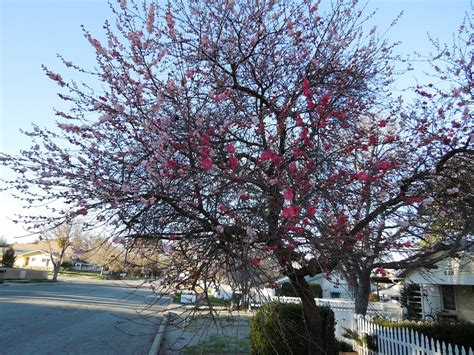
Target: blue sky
x: 33, y: 31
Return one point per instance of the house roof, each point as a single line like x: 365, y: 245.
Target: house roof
x: 34, y: 252
x: 44, y: 246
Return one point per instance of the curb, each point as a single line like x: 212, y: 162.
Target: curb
x: 155, y: 347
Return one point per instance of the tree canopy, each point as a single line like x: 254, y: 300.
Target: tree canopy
x: 230, y: 132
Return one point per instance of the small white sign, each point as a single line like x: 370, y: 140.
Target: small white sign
x: 186, y: 298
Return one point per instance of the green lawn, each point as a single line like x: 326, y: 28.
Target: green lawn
x: 218, y: 344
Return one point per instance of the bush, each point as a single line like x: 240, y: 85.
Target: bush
x: 9, y: 257
x: 278, y: 328
x: 373, y: 297
x: 66, y: 265
x: 316, y: 290
x: 286, y: 289
x: 343, y: 346
x: 460, y: 333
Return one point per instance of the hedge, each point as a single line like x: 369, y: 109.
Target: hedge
x: 278, y: 328
x: 288, y: 290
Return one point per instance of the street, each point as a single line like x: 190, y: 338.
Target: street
x: 77, y: 317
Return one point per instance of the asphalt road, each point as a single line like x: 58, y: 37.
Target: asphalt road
x: 78, y: 317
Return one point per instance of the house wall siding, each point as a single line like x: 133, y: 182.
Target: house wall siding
x: 457, y: 271
x: 431, y: 300
x: 465, y: 302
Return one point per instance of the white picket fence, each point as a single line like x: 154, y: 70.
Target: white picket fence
x: 399, y: 341
x: 389, y: 310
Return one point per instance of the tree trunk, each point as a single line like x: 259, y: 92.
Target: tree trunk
x: 319, y: 344
x: 55, y: 272
x: 362, y: 292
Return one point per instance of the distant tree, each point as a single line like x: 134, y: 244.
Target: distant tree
x: 9, y: 257
x: 60, y: 240
x: 3, y: 244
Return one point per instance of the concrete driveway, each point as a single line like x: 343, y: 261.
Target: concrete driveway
x: 78, y: 317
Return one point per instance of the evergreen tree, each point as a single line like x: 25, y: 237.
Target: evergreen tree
x: 9, y: 257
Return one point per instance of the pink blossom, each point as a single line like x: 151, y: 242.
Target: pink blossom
x: 276, y: 159
x: 118, y: 240
x: 288, y: 194
x: 56, y: 77
x: 170, y: 85
x: 266, y: 155
x: 255, y: 261
x: 83, y: 211
x: 384, y: 165
x: 230, y: 149
x: 412, y: 200
x: 362, y: 176
x: 245, y: 197
x: 311, y: 211
x: 96, y: 43
x: 205, y: 139
x: 341, y: 220
x: 306, y: 91
x: 289, y: 212
x: 189, y: 73
x: 452, y: 190
x: 293, y: 167
x: 389, y: 139
x: 233, y: 163
x: 220, y: 229
x: 123, y: 4
x: 150, y: 19
x: 251, y: 233
x: 206, y: 163
x: 222, y: 208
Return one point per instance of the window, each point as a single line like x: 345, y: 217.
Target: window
x: 449, y: 301
x: 44, y: 260
x: 335, y: 295
x: 33, y: 259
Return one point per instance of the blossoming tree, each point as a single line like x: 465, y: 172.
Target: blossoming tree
x: 234, y: 133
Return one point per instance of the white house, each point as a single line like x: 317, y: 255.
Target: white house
x: 447, y: 290
x: 334, y: 286
x: 33, y: 259
x: 36, y: 255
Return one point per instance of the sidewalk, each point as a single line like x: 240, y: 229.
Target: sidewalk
x: 201, y: 334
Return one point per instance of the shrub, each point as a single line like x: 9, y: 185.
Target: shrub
x: 9, y: 257
x: 367, y: 340
x: 66, y: 265
x: 343, y: 346
x: 279, y: 327
x: 316, y: 290
x: 286, y: 289
x: 373, y: 297
x: 460, y: 333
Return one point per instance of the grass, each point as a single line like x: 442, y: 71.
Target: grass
x: 220, y: 344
